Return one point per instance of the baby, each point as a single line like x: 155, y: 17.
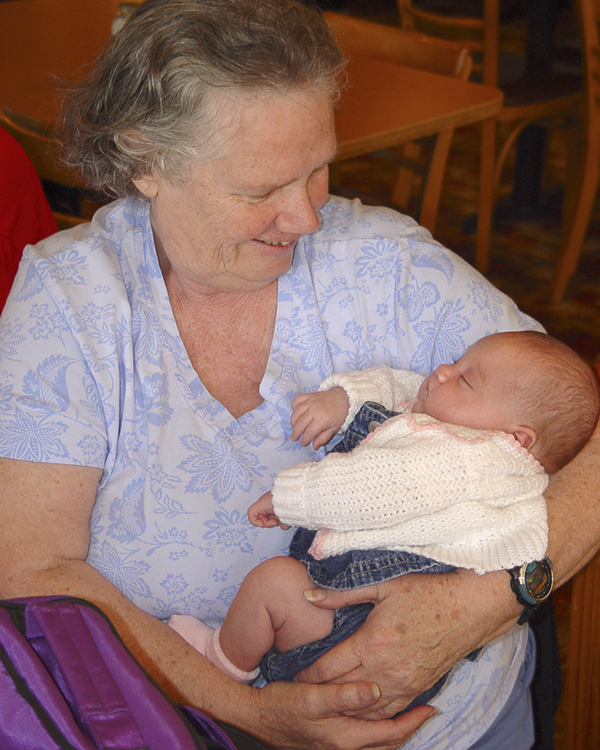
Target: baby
x: 452, y: 478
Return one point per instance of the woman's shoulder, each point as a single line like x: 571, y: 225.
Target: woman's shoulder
x: 107, y: 258
x: 350, y: 230
x: 107, y: 230
x: 345, y: 219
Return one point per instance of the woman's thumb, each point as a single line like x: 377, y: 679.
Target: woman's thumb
x: 330, y: 599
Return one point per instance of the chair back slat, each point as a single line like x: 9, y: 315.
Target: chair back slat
x: 415, y: 50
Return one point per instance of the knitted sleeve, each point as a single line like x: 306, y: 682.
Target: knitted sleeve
x: 393, y: 389
x: 471, y: 499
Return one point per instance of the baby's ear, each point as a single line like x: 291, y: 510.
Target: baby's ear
x: 526, y: 436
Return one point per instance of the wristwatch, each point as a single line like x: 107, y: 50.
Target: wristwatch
x: 532, y: 583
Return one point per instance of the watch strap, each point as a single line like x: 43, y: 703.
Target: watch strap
x: 527, y: 599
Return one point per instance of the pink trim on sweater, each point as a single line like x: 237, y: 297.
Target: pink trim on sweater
x: 316, y: 548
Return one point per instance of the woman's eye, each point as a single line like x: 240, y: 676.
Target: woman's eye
x: 257, y: 197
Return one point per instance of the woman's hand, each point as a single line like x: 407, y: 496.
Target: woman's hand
x: 420, y: 627
x: 291, y: 715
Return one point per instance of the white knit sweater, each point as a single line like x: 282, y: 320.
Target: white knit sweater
x: 469, y: 498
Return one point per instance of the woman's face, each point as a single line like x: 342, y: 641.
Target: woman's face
x: 232, y: 224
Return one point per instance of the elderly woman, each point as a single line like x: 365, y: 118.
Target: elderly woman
x: 149, y: 361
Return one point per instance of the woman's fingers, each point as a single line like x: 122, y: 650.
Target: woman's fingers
x: 317, y: 716
x: 419, y: 628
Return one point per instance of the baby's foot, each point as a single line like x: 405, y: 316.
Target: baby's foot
x: 193, y: 630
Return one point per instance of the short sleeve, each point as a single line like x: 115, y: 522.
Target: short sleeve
x: 51, y: 406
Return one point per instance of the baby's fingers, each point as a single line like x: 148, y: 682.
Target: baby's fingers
x: 299, y: 400
x: 323, y: 438
x: 300, y: 425
x: 311, y: 433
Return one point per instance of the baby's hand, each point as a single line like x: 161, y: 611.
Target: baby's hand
x: 261, y: 513
x: 317, y: 417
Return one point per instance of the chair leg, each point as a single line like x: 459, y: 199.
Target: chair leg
x: 435, y: 178
x: 582, y: 690
x: 575, y: 160
x: 486, y: 195
x: 405, y: 179
x: 575, y: 233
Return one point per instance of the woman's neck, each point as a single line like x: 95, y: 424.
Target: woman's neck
x: 228, y: 339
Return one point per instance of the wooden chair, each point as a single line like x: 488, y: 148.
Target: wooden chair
x: 578, y: 210
x: 42, y: 44
x: 541, y: 97
x: 465, y: 30
x: 43, y: 150
x: 582, y: 688
x: 425, y: 53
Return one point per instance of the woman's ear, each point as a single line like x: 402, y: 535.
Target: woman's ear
x: 147, y: 185
x: 526, y: 436
x: 133, y: 140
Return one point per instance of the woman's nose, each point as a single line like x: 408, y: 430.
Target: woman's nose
x: 298, y: 215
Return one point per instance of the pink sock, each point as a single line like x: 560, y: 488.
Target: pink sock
x: 215, y: 655
x: 193, y: 630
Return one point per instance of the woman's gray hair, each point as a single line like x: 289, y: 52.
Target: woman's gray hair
x: 146, y: 99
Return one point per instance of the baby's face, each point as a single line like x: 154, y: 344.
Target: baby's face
x: 473, y: 390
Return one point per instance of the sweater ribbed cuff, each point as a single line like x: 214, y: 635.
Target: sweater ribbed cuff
x: 288, y: 494
x: 359, y: 388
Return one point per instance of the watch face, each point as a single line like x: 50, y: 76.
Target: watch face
x: 538, y: 580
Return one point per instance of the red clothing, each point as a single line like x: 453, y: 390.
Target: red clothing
x: 25, y: 216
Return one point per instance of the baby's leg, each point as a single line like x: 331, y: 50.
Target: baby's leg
x: 270, y: 609
x: 206, y: 640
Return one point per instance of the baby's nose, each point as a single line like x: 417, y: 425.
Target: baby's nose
x: 443, y: 373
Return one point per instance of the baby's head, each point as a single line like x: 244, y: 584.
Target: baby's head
x: 525, y: 383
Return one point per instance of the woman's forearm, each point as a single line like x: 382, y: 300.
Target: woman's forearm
x: 179, y: 670
x: 573, y: 499
x: 288, y: 716
x: 45, y: 513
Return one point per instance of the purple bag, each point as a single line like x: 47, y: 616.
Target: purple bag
x: 67, y: 682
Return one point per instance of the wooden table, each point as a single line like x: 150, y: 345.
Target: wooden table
x: 387, y: 104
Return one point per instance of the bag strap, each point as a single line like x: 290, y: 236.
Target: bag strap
x: 47, y: 621
x: 63, y: 641
x: 33, y: 711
